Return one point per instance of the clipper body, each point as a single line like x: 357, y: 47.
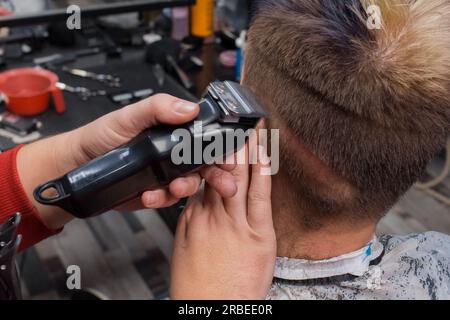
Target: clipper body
x: 146, y: 162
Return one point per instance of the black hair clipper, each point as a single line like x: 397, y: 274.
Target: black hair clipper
x: 147, y: 162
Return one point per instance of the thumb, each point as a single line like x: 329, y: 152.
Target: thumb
x: 119, y: 127
x: 158, y: 109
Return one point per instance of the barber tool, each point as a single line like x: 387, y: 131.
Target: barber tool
x: 6, y: 144
x: 9, y: 244
x: 13, y: 139
x: 142, y: 94
x: 34, y: 35
x: 147, y: 162
x: 166, y: 53
x: 18, y: 130
x: 82, y: 92
x: 8, y: 230
x: 108, y: 79
x: 160, y: 75
x: 97, y: 37
x: 20, y: 126
x: 125, y: 98
x: 59, y: 58
x: 27, y: 91
x: 191, y: 62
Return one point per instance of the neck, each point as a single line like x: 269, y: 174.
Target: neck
x: 331, y: 239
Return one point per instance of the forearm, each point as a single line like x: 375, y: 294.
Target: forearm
x: 46, y: 160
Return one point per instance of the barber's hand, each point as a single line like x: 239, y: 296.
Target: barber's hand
x: 226, y: 248
x: 50, y: 158
x: 117, y: 128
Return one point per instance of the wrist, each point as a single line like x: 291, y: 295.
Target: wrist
x: 66, y: 152
x: 43, y: 161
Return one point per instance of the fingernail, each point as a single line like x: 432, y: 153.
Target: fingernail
x: 185, y: 108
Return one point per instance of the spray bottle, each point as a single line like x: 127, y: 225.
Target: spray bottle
x: 202, y: 19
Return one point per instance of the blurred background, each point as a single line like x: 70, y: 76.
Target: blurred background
x: 141, y: 48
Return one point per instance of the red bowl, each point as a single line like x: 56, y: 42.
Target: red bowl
x: 27, y: 91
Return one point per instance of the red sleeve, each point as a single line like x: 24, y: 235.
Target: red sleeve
x: 14, y: 199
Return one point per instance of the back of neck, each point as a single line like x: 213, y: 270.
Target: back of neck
x: 295, y: 240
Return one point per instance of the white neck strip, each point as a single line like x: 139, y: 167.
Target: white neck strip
x: 354, y: 263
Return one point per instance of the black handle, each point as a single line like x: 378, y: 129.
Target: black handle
x: 56, y: 185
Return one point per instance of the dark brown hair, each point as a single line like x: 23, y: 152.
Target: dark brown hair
x: 371, y: 105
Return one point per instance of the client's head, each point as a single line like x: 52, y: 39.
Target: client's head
x: 361, y: 110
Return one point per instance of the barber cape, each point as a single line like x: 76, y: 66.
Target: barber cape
x: 389, y: 267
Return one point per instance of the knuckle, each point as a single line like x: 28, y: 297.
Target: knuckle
x: 215, y: 175
x: 238, y: 171
x: 159, y: 102
x: 159, y: 96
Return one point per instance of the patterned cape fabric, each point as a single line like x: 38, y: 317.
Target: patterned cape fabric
x: 408, y: 267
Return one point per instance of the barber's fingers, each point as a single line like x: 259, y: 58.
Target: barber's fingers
x: 191, y: 216
x: 220, y: 180
x: 216, y: 178
x: 160, y: 108
x: 212, y: 199
x: 237, y: 205
x: 196, y: 214
x: 229, y: 163
x: 160, y: 198
x: 186, y: 186
x: 259, y: 193
x: 182, y: 229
